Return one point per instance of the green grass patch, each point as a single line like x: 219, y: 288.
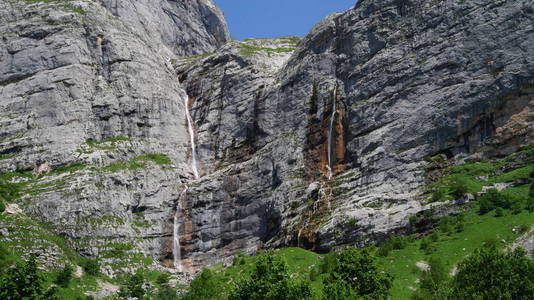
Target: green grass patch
x: 452, y: 248
x: 6, y: 156
x: 471, y: 177
x: 62, y: 3
x: 136, y: 163
x: 249, y: 50
x: 159, y: 159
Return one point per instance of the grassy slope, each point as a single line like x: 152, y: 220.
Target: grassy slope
x: 451, y: 249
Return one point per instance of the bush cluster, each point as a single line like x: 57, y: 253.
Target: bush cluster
x: 501, y: 202
x: 393, y: 243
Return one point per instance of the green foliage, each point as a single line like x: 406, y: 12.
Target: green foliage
x: 167, y: 293
x: 485, y: 206
x: 432, y: 280
x: 2, y: 206
x: 23, y: 281
x: 356, y: 273
x: 393, y: 243
x: 440, y: 194
x: 90, y: 266
x: 460, y: 185
x: 248, y: 50
x: 10, y: 190
x: 434, y: 237
x: 64, y: 276
x: 137, y: 162
x: 133, y: 287
x: 270, y: 279
x: 204, y: 286
x: 159, y: 159
x: 66, y: 169
x: 499, y: 212
x: 163, y: 279
x: 491, y: 274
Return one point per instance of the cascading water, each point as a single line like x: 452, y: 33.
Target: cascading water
x: 192, y: 138
x: 330, y: 140
x: 177, y: 252
x: 177, y: 220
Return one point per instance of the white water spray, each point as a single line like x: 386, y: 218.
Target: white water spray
x: 176, y: 251
x: 192, y: 138
x: 330, y: 137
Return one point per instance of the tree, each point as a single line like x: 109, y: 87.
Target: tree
x: 270, y: 280
x: 133, y: 287
x: 356, y: 273
x: 204, y: 286
x: 23, y: 281
x: 491, y: 274
x: 64, y: 276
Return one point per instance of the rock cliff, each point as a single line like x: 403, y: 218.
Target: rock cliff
x: 317, y: 143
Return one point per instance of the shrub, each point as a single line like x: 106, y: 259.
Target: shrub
x: 434, y: 237
x: 356, y: 275
x: 204, y: 286
x: 499, y: 212
x: 269, y: 280
x: 445, y: 225
x: 491, y: 274
x: 485, y: 206
x: 425, y: 243
x: 133, y: 287
x: 432, y: 281
x: 393, y: 243
x: 2, y: 206
x: 328, y: 264
x: 163, y: 279
x: 459, y: 227
x: 90, y: 266
x: 459, y: 185
x: 531, y: 190
x: 23, y: 281
x: 491, y: 243
x: 431, y: 249
x: 167, y: 293
x: 64, y: 276
x: 516, y: 208
x: 529, y: 206
x: 439, y: 195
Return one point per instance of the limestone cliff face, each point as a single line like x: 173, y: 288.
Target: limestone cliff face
x: 407, y: 79
x: 88, y: 91
x: 93, y: 95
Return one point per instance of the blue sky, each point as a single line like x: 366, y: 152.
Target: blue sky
x: 273, y: 18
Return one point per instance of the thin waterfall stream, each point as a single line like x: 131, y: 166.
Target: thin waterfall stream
x: 177, y: 254
x: 176, y: 233
x: 192, y: 138
x: 330, y: 140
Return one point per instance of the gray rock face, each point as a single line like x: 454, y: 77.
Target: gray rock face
x: 186, y: 27
x: 80, y: 87
x: 103, y: 93
x: 410, y: 80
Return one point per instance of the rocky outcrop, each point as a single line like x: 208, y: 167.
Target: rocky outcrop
x: 93, y: 99
x: 185, y: 27
x: 90, y: 93
x: 410, y: 79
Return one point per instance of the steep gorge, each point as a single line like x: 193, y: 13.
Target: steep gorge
x: 138, y: 95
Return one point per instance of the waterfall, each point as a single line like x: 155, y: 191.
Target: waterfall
x: 192, y: 138
x: 176, y: 251
x: 330, y: 140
